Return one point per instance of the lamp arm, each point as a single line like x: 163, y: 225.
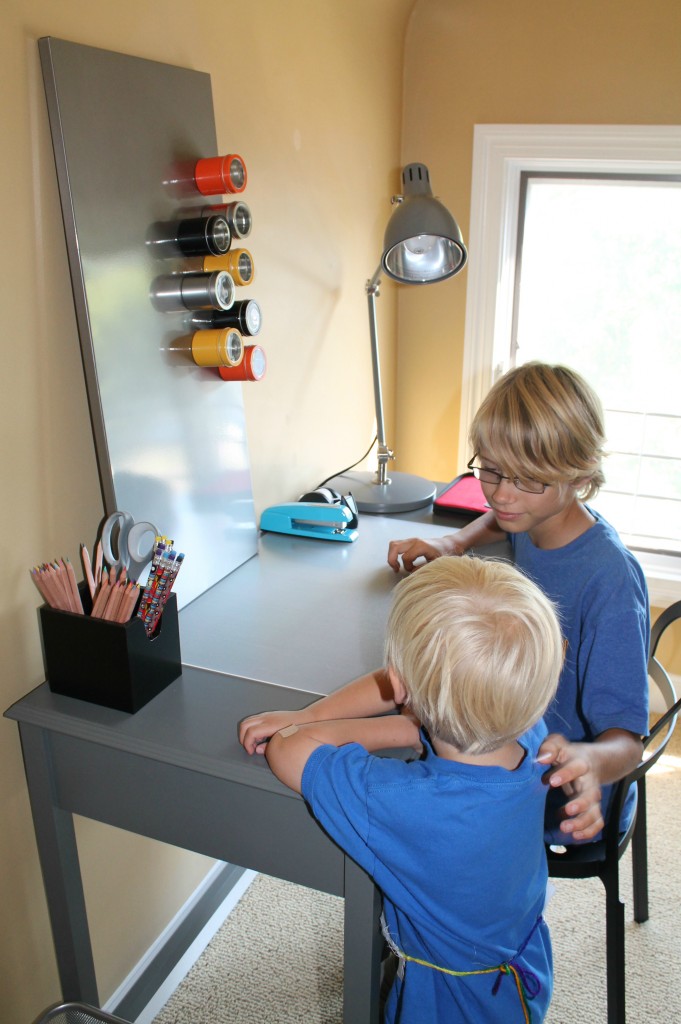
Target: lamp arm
x: 384, y: 453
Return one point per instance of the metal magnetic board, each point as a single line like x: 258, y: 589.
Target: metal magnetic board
x: 169, y: 436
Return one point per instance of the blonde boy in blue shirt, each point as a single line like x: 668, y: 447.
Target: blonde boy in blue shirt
x: 454, y: 839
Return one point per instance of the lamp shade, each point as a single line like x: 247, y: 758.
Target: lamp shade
x: 422, y: 242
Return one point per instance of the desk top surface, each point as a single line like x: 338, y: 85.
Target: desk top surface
x: 192, y: 724
x: 304, y: 614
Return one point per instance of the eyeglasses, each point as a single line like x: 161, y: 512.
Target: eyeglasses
x: 491, y: 476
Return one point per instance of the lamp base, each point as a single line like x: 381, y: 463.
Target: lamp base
x: 402, y: 493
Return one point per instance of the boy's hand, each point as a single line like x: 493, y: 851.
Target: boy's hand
x: 256, y: 730
x: 571, y: 766
x: 412, y: 548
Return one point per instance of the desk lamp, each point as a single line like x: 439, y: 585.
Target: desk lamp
x: 422, y: 244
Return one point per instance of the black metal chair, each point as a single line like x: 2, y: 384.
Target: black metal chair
x: 601, y: 859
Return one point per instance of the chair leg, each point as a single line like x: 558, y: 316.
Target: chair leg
x: 615, y: 959
x: 639, y: 857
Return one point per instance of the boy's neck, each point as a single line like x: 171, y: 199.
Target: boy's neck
x: 510, y: 756
x: 561, y: 529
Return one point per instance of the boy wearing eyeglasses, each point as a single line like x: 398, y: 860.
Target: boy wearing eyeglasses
x: 538, y: 438
x: 454, y: 839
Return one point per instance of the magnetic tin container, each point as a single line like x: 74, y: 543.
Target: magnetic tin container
x: 238, y: 262
x: 197, y: 236
x: 252, y: 367
x: 194, y: 291
x: 190, y: 237
x: 218, y: 174
x: 244, y: 315
x: 217, y: 348
x: 215, y: 290
x: 238, y: 216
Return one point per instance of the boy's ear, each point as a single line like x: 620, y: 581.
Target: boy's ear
x: 581, y: 483
x: 399, y: 692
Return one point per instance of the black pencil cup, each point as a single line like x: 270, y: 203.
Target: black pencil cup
x: 110, y: 663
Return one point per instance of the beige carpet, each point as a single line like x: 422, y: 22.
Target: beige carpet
x: 278, y: 957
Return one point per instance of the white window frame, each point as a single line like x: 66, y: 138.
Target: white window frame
x: 501, y: 153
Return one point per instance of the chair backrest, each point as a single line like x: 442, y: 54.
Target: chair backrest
x: 654, y: 745
x: 656, y: 742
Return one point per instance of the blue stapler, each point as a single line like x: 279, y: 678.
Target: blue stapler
x: 336, y: 521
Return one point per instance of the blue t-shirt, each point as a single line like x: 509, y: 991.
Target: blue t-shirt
x: 601, y: 595
x: 457, y: 851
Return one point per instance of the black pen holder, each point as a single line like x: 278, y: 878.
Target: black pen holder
x: 114, y: 664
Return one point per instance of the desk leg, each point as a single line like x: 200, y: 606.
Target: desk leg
x: 58, y: 854
x: 363, y: 944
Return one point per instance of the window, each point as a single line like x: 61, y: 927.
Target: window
x: 598, y: 286
x: 577, y: 231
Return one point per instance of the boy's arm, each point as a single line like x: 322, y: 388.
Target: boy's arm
x: 582, y: 768
x: 369, y: 695
x: 480, y: 531
x: 288, y: 751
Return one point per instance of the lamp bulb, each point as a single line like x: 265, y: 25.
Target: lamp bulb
x: 421, y: 244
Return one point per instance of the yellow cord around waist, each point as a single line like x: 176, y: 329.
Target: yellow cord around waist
x: 527, y: 983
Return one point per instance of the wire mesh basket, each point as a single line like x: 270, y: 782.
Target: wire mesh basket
x: 76, y: 1013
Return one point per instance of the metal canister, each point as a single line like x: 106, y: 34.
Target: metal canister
x: 217, y: 174
x: 217, y: 348
x: 245, y: 315
x: 213, y: 290
x: 238, y: 216
x: 197, y: 236
x: 252, y: 367
x: 238, y: 262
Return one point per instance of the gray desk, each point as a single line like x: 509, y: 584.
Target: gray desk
x: 300, y: 619
x: 304, y: 614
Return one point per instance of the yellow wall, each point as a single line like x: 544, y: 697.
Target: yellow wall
x: 309, y: 91
x: 669, y: 651
x: 490, y: 61
x: 471, y: 62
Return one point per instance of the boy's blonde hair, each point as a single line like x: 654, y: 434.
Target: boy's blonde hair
x: 543, y: 422
x: 478, y: 649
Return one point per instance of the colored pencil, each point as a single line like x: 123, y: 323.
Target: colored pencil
x: 87, y: 567
x: 115, y: 597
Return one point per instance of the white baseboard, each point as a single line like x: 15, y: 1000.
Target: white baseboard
x: 191, y: 954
